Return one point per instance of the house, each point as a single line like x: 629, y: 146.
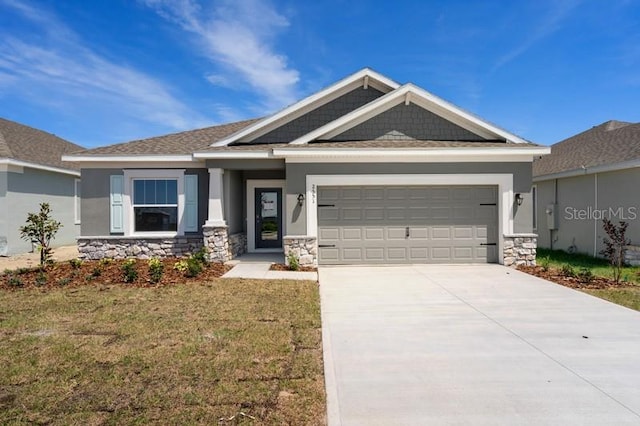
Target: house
x: 31, y: 172
x: 364, y: 171
x: 586, y: 178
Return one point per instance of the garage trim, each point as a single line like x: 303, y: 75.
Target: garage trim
x: 504, y: 181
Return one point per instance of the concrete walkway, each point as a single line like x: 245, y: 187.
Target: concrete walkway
x: 481, y: 345
x: 256, y: 266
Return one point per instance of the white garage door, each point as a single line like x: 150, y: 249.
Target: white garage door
x: 407, y: 224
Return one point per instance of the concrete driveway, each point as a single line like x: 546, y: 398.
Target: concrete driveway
x: 484, y: 344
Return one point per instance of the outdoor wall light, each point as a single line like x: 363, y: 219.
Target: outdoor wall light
x: 300, y: 199
x: 519, y: 199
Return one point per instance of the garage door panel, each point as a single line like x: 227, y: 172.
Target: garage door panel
x: 421, y: 224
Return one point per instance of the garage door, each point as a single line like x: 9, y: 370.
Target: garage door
x: 400, y: 224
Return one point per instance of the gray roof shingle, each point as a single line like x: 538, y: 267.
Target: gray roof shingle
x: 609, y: 143
x: 182, y: 143
x: 24, y: 143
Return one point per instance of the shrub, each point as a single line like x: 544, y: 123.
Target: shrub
x: 568, y: 271
x: 41, y: 278
x: 200, y: 256
x: 615, y: 246
x: 129, y: 272
x: 585, y: 275
x: 194, y: 267
x: 181, y: 266
x: 64, y: 281
x: 544, y: 263
x: 105, y: 261
x: 97, y: 271
x: 75, y: 263
x: 15, y: 281
x: 292, y: 259
x: 41, y: 228
x: 156, y: 269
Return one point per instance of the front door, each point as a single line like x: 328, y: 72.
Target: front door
x: 268, y: 216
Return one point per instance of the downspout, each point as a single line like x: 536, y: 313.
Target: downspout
x: 555, y: 201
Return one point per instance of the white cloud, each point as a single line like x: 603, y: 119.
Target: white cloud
x: 238, y: 37
x: 55, y: 62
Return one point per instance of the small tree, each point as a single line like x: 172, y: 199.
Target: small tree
x: 41, y: 228
x: 615, y: 246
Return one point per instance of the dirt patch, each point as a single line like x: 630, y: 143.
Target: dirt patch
x: 29, y: 260
x: 283, y: 267
x: 102, y: 273
x: 555, y: 275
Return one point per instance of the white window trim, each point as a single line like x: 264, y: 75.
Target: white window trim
x: 252, y: 184
x: 129, y: 219
x: 504, y: 181
x: 76, y: 201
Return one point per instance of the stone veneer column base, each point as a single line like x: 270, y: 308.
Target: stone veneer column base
x: 221, y: 246
x: 520, y: 249
x: 94, y: 248
x: 303, y: 247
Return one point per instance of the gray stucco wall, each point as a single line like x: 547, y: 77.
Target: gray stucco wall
x: 581, y: 208
x: 234, y: 211
x: 95, y: 199
x: 297, y: 172
x: 3, y: 213
x: 24, y: 193
x: 321, y: 116
x: 407, y: 122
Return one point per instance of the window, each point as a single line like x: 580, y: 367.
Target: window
x: 76, y: 201
x: 534, y: 197
x: 155, y: 205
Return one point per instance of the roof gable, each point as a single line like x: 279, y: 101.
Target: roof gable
x: 24, y: 143
x: 364, y: 78
x: 612, y: 142
x: 411, y: 94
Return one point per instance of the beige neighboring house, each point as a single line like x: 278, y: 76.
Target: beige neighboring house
x: 32, y: 172
x: 588, y: 177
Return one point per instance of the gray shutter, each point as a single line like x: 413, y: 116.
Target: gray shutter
x: 116, y: 212
x: 191, y: 203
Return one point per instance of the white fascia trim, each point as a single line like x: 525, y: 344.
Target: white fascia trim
x: 590, y: 170
x: 302, y: 155
x: 145, y: 165
x: 320, y: 98
x: 233, y: 155
x: 418, y: 96
x: 504, y: 181
x: 126, y: 158
x: 18, y: 163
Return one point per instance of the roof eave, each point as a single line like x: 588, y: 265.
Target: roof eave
x: 589, y: 170
x: 20, y: 163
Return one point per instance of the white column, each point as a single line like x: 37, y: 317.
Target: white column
x: 216, y: 215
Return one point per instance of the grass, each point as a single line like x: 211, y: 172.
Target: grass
x: 626, y: 295
x: 182, y: 354
x: 599, y: 267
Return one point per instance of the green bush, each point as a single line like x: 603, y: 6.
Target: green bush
x: 194, y: 267
x: 568, y: 271
x: 544, y: 263
x: 15, y: 281
x: 75, y: 263
x: 41, y: 278
x: 156, y: 269
x: 585, y: 275
x: 64, y: 281
x: 200, y: 256
x: 292, y: 259
x: 129, y: 272
x: 181, y: 265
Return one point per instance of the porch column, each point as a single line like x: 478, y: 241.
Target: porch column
x: 216, y: 212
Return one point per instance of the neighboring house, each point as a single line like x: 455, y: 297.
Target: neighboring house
x: 31, y: 172
x: 588, y: 177
x: 364, y: 171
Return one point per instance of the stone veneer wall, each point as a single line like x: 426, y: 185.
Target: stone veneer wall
x: 632, y: 255
x: 304, y: 248
x: 221, y: 246
x: 140, y: 248
x: 520, y: 250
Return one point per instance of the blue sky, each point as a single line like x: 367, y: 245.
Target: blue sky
x: 105, y: 71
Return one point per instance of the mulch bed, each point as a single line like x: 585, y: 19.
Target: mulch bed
x: 556, y: 276
x: 283, y: 267
x: 102, y: 273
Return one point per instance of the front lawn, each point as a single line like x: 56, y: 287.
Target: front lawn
x: 588, y: 274
x: 215, y: 352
